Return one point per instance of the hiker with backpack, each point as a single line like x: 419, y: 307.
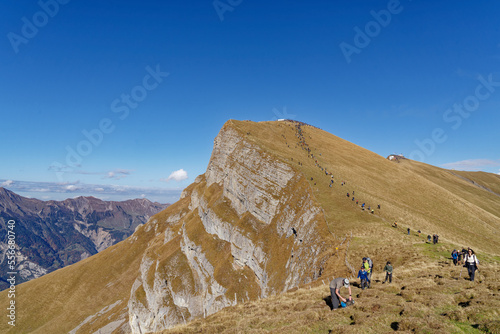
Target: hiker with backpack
x: 363, y: 276
x: 471, y: 263
x: 388, y: 272
x: 463, y: 253
x: 454, y: 256
x: 335, y: 286
x: 368, y: 264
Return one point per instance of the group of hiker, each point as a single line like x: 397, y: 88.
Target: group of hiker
x: 365, y: 276
x: 305, y: 146
x: 365, y: 273
x: 466, y: 258
x: 435, y: 237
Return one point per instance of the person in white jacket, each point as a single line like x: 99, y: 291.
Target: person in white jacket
x: 471, y: 263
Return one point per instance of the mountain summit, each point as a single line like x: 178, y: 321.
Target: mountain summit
x: 270, y: 214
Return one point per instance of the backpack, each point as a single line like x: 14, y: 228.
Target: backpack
x: 370, y: 262
x: 466, y: 257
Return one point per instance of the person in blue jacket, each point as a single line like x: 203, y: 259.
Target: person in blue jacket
x: 454, y: 256
x: 363, y: 275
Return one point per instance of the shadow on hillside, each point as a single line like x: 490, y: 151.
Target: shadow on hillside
x: 328, y: 301
x: 356, y: 284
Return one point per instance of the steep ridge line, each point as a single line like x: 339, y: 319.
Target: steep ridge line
x: 243, y: 187
x: 376, y: 178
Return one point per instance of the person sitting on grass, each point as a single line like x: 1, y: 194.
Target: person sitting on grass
x: 335, y: 286
x: 363, y: 275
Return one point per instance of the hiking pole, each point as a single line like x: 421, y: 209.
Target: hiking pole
x: 461, y: 272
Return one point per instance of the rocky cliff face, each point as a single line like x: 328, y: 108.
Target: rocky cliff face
x: 248, y: 228
x: 54, y: 234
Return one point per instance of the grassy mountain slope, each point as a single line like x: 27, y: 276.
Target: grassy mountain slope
x: 417, y: 195
x: 429, y: 293
x: 430, y: 299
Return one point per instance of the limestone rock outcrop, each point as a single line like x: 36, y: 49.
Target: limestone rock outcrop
x: 248, y: 228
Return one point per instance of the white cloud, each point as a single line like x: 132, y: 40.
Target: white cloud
x: 470, y: 164
x: 6, y: 183
x: 71, y: 187
x: 117, y: 174
x: 178, y: 175
x: 118, y: 188
x: 40, y: 190
x: 60, y: 191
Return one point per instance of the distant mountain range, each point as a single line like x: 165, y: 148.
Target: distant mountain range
x: 53, y: 234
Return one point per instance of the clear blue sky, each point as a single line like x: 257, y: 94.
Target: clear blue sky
x: 152, y: 83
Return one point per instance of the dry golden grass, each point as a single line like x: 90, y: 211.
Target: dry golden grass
x: 429, y: 294
x: 417, y: 195
x: 426, y: 296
